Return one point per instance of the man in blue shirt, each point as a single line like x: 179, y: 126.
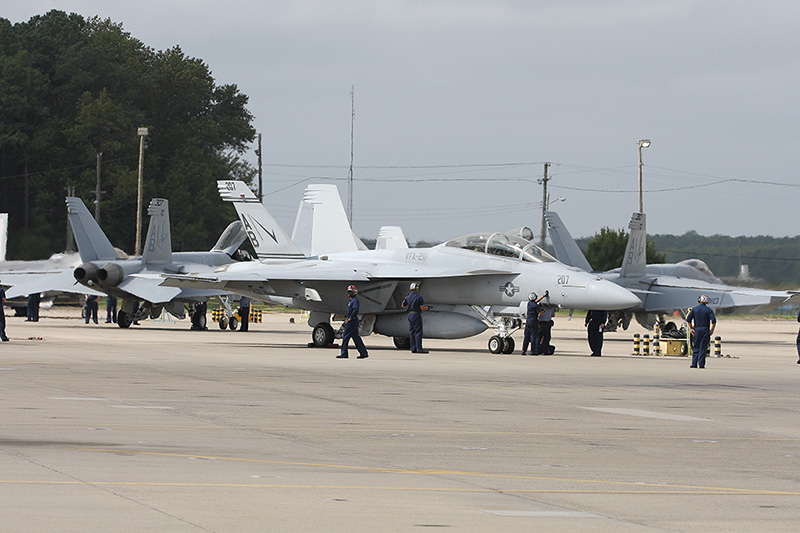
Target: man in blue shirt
x: 414, y: 303
x: 702, y: 322
x: 532, y: 324
x: 351, y: 324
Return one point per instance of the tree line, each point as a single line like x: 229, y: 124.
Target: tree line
x: 73, y: 93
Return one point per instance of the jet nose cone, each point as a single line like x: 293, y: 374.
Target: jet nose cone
x: 607, y: 296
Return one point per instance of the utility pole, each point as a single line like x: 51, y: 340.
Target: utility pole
x: 350, y: 173
x: 260, y: 182
x: 142, y: 132
x: 70, y: 244
x: 544, y: 205
x: 97, y: 188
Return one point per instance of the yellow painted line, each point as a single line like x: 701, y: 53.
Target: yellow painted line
x: 683, y: 488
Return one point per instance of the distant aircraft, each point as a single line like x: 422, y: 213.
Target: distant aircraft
x: 664, y: 288
x: 137, y: 279
x: 489, y: 269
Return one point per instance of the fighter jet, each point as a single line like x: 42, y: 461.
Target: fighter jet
x: 665, y: 288
x: 137, y: 279
x: 478, y: 270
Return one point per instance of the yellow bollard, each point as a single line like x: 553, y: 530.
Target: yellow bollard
x: 636, y: 345
x: 717, y: 346
x: 657, y: 341
x: 646, y: 347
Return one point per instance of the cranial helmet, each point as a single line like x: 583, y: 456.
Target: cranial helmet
x: 704, y: 299
x: 351, y: 288
x: 414, y: 286
x: 532, y: 296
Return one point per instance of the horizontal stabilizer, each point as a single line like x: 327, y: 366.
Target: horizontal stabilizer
x: 145, y: 289
x: 62, y: 281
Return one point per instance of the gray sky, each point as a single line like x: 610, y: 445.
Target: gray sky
x: 458, y: 104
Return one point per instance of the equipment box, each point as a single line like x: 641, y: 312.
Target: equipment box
x: 673, y: 347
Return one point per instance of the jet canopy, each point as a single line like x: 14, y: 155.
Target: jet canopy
x: 504, y: 245
x: 233, y: 237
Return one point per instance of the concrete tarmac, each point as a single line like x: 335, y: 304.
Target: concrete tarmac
x: 158, y: 428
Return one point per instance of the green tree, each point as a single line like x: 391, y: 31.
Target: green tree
x: 607, y: 249
x: 71, y: 88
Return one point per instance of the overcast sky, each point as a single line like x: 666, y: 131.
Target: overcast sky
x: 459, y: 103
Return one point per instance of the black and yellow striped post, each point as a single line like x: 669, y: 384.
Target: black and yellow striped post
x: 646, y: 345
x: 717, y: 346
x: 636, y: 345
x: 657, y: 340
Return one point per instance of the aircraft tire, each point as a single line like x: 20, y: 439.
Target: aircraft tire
x: 233, y: 323
x: 508, y: 345
x: 322, y: 336
x: 402, y: 343
x: 123, y: 320
x: 223, y: 322
x: 684, y: 349
x: 496, y: 344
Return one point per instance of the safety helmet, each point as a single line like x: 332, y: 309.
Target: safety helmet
x: 351, y: 288
x: 704, y: 299
x: 414, y: 286
x: 532, y: 296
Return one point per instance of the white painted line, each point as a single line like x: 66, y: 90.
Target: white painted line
x: 545, y: 514
x: 647, y: 414
x: 141, y: 407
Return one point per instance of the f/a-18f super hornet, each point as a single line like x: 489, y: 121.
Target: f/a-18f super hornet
x: 136, y: 280
x: 489, y: 269
x: 663, y: 288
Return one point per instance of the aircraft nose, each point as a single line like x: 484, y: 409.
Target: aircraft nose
x: 607, y: 296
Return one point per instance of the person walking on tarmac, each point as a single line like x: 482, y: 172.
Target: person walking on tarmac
x: 91, y: 308
x: 531, y: 335
x: 702, y: 322
x: 414, y: 302
x: 351, y: 324
x: 595, y: 322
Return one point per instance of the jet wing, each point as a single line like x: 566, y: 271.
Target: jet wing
x: 25, y: 283
x: 148, y: 289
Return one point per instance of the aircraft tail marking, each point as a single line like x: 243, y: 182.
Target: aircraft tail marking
x: 635, y: 261
x: 269, y: 240
x: 158, y: 242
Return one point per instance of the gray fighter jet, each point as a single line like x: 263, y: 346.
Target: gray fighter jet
x: 136, y: 280
x: 479, y: 270
x: 665, y: 288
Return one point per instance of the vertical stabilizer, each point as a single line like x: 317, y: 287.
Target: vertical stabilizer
x: 330, y: 230
x: 391, y: 238
x: 567, y: 250
x: 92, y: 243
x: 269, y: 240
x: 635, y: 261
x: 158, y: 243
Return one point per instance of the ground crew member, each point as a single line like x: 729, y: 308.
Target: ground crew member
x: 798, y: 341
x: 545, y: 329
x: 111, y: 309
x: 33, y: 307
x: 351, y: 324
x: 531, y: 335
x: 414, y: 303
x: 244, y: 312
x: 702, y: 322
x: 595, y: 322
x: 91, y: 308
x: 3, y: 316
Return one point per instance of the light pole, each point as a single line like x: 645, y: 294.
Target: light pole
x: 643, y: 143
x: 142, y: 134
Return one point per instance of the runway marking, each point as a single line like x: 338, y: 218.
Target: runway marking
x: 654, y: 488
x: 647, y: 414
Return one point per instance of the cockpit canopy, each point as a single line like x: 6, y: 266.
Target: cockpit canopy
x: 504, y: 245
x: 233, y: 237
